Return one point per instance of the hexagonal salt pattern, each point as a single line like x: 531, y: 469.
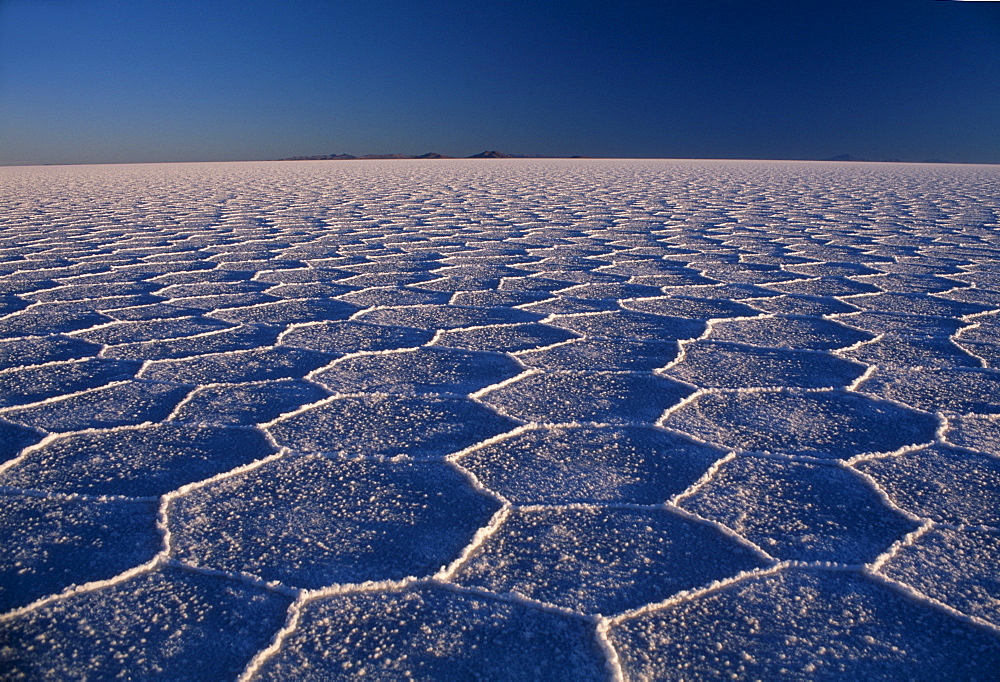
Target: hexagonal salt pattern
x: 596, y: 560
x: 946, y: 484
x: 727, y: 365
x: 246, y: 404
x: 787, y: 332
x: 353, y: 337
x: 24, y: 385
x: 612, y: 355
x: 14, y: 438
x: 51, y: 544
x: 134, y: 462
x: 312, y: 522
x: 799, y: 510
x: 819, y: 424
x: 613, y: 398
x: 388, y: 426
x: 539, y: 419
x: 168, y: 623
x: 955, y: 566
x: 508, y: 338
x: 975, y: 431
x: 421, y: 370
x: 634, y: 465
x: 434, y: 634
x: 803, y: 625
x: 960, y: 391
x: 122, y: 404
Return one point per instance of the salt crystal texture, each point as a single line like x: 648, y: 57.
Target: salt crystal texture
x: 526, y: 419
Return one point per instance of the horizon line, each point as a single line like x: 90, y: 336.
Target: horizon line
x: 509, y: 158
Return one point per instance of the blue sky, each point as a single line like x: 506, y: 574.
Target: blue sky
x: 85, y: 81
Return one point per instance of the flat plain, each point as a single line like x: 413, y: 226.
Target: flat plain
x: 500, y: 419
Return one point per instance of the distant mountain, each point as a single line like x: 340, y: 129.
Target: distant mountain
x: 321, y: 157
x: 491, y: 155
x: 844, y: 157
x: 387, y: 156
x: 366, y: 157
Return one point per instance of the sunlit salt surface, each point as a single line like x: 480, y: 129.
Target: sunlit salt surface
x: 513, y: 419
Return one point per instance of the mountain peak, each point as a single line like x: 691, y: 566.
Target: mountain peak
x: 493, y: 154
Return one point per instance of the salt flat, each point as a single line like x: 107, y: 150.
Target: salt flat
x: 512, y: 419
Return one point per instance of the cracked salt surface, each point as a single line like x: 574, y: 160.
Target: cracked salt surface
x: 517, y: 420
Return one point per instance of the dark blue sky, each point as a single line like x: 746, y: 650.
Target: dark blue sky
x: 176, y: 80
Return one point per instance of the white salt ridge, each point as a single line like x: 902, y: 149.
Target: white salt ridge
x: 437, y: 418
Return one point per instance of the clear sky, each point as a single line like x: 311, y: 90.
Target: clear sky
x: 175, y: 80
